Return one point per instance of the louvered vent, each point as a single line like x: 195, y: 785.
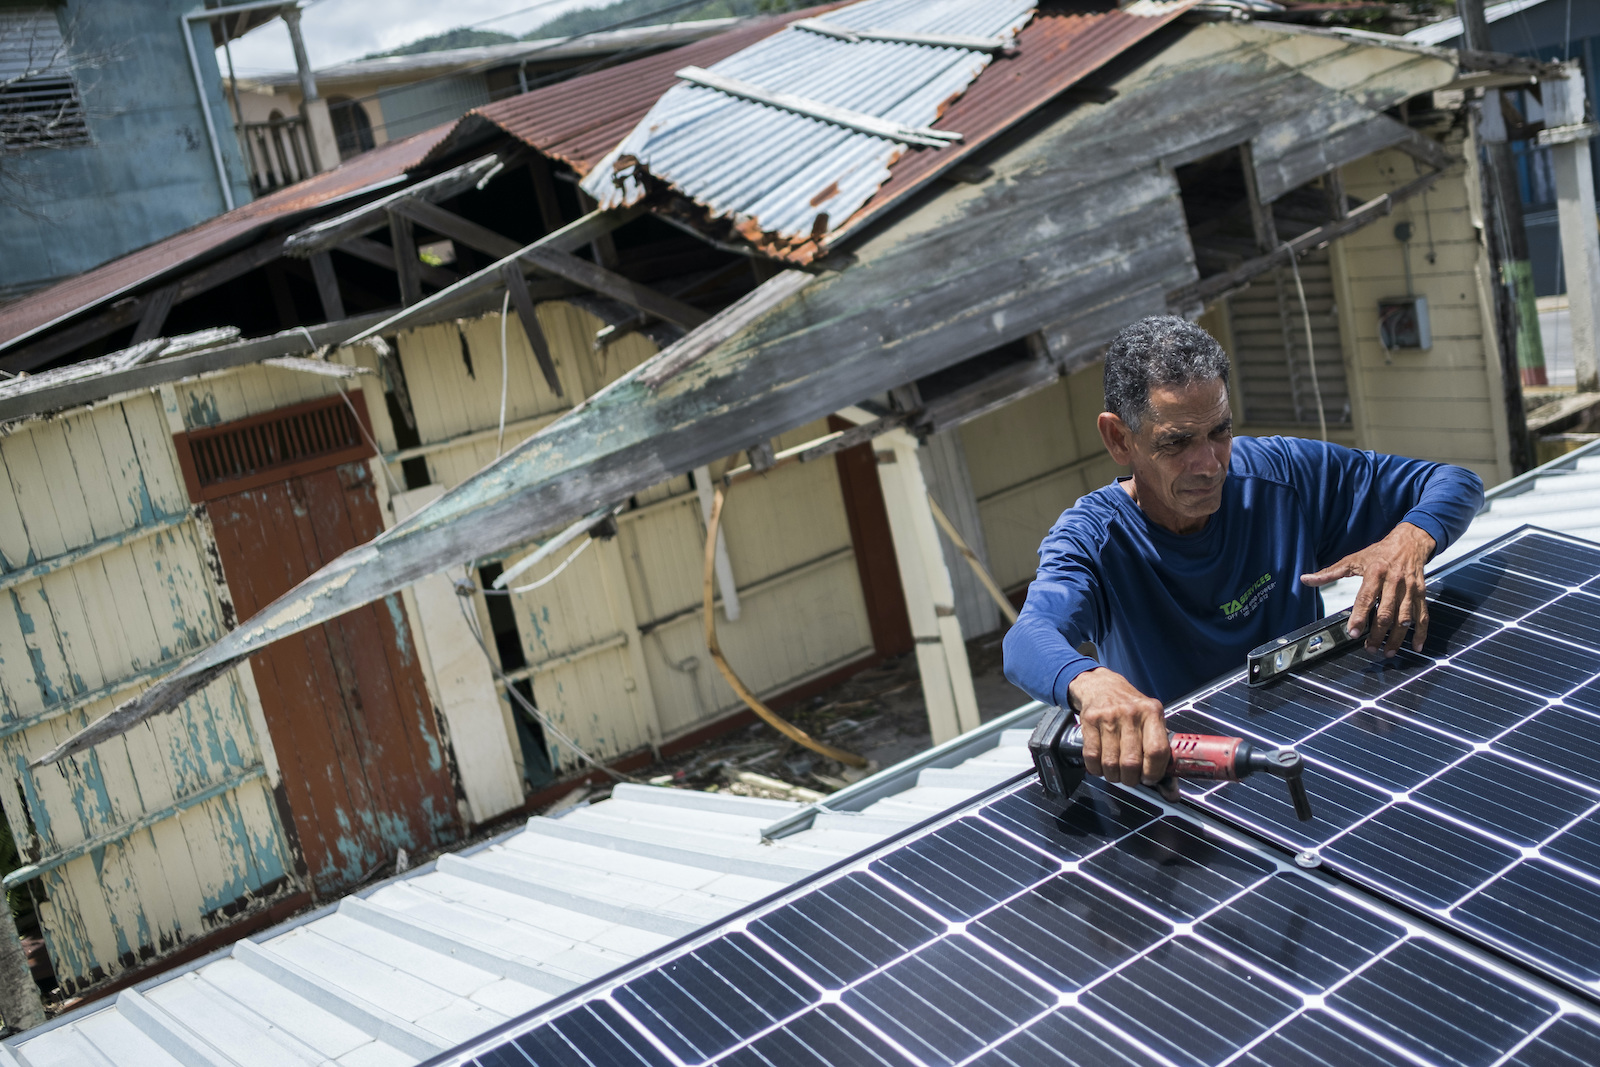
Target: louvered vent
x: 39, y: 102
x: 278, y: 445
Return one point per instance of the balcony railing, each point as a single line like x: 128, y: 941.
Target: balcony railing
x: 278, y: 151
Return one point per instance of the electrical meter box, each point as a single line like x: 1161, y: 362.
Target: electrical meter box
x: 1403, y: 322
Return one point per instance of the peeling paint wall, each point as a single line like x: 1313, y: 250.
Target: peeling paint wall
x: 105, y: 585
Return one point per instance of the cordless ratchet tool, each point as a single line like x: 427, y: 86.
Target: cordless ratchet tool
x: 1057, y: 747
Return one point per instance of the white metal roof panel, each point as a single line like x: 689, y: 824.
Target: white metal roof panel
x: 394, y: 975
x: 806, y: 176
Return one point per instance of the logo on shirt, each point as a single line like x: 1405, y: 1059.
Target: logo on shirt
x: 1250, y: 599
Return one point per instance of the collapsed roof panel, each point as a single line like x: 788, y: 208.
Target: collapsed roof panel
x: 814, y: 164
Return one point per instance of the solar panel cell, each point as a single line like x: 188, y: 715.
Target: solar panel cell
x: 1579, y: 846
x: 1419, y: 857
x: 1069, y: 932
x: 1096, y: 818
x: 1514, y: 802
x: 1360, y: 675
x: 1306, y: 939
x: 821, y: 1038
x: 1417, y: 996
x: 1260, y: 802
x: 1542, y: 911
x: 948, y: 1001
x: 1173, y: 869
x: 1189, y: 1003
x: 1320, y: 1038
x: 594, y: 1033
x: 1465, y: 705
x: 845, y: 930
x: 1408, y: 755
x: 1068, y: 1038
x: 1561, y: 739
x: 1538, y: 664
x: 1570, y: 1041
x: 965, y: 872
x: 1575, y: 617
x: 710, y: 1000
x: 1484, y: 588
x: 1451, y: 629
x: 1550, y: 558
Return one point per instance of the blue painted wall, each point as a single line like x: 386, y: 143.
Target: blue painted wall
x: 146, y: 173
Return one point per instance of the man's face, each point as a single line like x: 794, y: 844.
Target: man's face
x: 1179, y: 457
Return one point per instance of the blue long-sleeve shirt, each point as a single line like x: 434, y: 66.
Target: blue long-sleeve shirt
x: 1169, y: 611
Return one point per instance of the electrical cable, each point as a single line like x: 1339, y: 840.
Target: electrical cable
x: 753, y: 702
x: 531, y: 586
x: 518, y: 701
x: 505, y: 372
x: 1311, y: 351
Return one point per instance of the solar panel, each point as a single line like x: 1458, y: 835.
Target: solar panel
x: 1456, y: 792
x: 1463, y: 781
x: 1010, y: 934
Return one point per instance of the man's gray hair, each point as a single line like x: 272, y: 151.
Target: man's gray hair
x: 1159, y: 350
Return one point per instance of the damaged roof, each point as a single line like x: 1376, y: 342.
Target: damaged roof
x: 52, y: 306
x: 812, y: 163
x: 583, y: 121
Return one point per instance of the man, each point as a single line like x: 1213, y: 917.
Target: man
x: 1212, y: 546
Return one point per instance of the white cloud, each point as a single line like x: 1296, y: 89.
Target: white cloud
x: 340, y: 30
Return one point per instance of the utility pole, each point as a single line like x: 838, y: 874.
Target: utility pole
x: 1567, y: 134
x: 1521, y: 349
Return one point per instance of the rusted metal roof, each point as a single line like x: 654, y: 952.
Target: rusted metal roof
x: 581, y: 121
x: 782, y: 172
x: 183, y: 251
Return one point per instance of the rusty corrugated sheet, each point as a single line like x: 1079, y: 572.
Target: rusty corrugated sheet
x: 1055, y: 51
x: 186, y: 250
x: 804, y: 171
x: 582, y: 120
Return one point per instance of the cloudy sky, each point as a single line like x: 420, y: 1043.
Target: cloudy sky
x: 337, y: 30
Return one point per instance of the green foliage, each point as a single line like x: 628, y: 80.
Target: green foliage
x: 461, y: 37
x: 20, y: 899
x: 590, y: 19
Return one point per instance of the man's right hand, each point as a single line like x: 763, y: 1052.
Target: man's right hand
x: 1124, y: 731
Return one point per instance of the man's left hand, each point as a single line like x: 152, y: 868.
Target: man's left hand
x: 1391, y: 580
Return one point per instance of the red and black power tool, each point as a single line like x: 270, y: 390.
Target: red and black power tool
x: 1057, y: 747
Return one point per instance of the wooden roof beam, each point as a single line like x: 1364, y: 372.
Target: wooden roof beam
x: 330, y: 233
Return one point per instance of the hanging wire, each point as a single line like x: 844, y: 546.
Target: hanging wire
x: 465, y: 588
x: 531, y: 586
x: 1311, y: 350
x: 505, y: 376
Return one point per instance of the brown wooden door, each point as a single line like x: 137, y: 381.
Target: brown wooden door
x: 874, y: 544
x: 363, y: 763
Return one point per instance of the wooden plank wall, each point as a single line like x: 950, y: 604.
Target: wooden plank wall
x: 69, y: 640
x: 1029, y: 462
x: 616, y: 644
x: 1445, y: 403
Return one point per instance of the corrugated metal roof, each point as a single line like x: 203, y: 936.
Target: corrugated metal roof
x: 785, y: 175
x: 1446, y: 30
x: 581, y: 121
x: 184, y: 251
x: 1562, y: 495
x: 428, y: 960
x: 546, y: 50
